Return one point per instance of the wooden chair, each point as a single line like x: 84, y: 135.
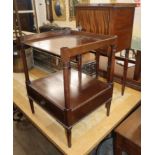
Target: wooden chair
x: 70, y: 95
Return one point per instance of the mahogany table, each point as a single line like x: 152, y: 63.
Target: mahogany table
x: 69, y: 95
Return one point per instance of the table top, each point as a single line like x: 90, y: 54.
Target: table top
x: 131, y: 127
x: 86, y: 134
x: 52, y: 42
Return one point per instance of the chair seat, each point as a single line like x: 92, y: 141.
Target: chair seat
x: 85, y: 91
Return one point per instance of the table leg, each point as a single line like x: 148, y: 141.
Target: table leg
x: 97, y: 57
x: 111, y: 64
x: 137, y: 66
x: 31, y: 105
x: 125, y: 70
x: 68, y: 134
x: 79, y: 59
x: 108, y: 108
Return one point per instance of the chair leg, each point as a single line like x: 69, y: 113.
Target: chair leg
x: 79, y: 59
x: 108, y: 105
x: 68, y: 134
x: 125, y: 69
x: 31, y: 105
x: 97, y: 57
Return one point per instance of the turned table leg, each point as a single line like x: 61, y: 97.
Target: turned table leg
x: 137, y: 66
x: 79, y: 59
x: 68, y: 134
x: 125, y: 69
x: 108, y: 108
x: 31, y: 105
x: 97, y: 63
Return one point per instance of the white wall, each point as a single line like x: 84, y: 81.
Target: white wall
x: 41, y: 11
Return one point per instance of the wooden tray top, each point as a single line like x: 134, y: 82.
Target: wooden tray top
x: 52, y: 42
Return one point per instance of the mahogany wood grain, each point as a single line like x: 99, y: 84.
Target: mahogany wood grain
x: 109, y: 19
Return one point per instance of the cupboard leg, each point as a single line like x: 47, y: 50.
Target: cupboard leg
x: 31, y: 105
x: 68, y: 134
x: 125, y: 69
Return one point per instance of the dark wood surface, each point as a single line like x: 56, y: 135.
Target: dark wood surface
x: 52, y: 42
x: 128, y: 135
x: 70, y: 95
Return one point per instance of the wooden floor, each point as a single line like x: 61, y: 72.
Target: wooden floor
x: 88, y: 132
x: 27, y: 140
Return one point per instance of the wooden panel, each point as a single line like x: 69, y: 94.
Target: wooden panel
x: 123, y: 24
x: 96, y: 21
x: 53, y: 45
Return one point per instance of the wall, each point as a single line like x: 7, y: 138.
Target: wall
x: 41, y: 11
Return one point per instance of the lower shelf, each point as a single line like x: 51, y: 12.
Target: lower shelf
x: 86, y: 94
